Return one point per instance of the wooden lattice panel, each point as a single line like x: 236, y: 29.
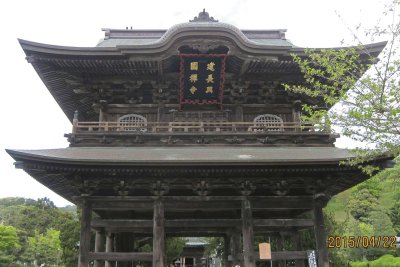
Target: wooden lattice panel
x: 268, y: 122
x: 132, y: 122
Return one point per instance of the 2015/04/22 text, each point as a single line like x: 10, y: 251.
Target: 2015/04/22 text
x: 362, y: 242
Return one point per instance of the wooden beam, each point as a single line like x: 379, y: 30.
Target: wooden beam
x: 84, y: 245
x: 286, y: 255
x: 199, y: 203
x: 283, y: 222
x: 282, y: 255
x: 201, y: 223
x: 199, y: 231
x: 121, y: 256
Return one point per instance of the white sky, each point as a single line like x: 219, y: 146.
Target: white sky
x: 31, y: 119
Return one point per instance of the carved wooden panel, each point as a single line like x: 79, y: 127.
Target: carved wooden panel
x: 130, y: 122
x: 269, y: 120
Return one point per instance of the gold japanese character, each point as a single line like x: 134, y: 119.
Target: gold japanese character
x: 210, y: 66
x: 193, y: 78
x: 210, y: 78
x: 209, y: 90
x: 193, y: 90
x: 194, y: 65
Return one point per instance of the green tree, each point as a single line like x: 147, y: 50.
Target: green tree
x: 382, y: 226
x: 357, y: 230
x: 30, y: 217
x: 69, y: 236
x: 361, y: 204
x: 336, y: 256
x: 174, y: 247
x: 8, y: 244
x: 368, y: 108
x: 45, y: 248
x: 394, y: 214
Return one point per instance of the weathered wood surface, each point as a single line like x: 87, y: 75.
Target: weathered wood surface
x: 286, y: 255
x: 212, y: 223
x: 234, y: 242
x: 158, y: 235
x: 192, y: 126
x: 100, y: 243
x: 297, y: 245
x: 248, y: 235
x: 121, y: 256
x: 282, y: 255
x: 84, y: 245
x: 109, y: 247
x: 320, y: 233
x: 202, y: 203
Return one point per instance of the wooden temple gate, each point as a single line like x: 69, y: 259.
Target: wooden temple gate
x: 189, y: 132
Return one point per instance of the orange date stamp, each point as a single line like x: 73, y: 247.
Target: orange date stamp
x: 389, y: 242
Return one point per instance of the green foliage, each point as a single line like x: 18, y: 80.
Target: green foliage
x: 367, y: 103
x: 215, y: 247
x: 33, y: 219
x: 15, y: 201
x: 394, y: 214
x: 45, y: 248
x: 9, y: 244
x: 174, y: 247
x: 336, y: 256
x: 69, y: 237
x: 361, y: 204
x: 384, y: 261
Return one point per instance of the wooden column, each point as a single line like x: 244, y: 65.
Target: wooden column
x: 109, y: 247
x: 234, y: 243
x: 297, y: 246
x: 248, y: 234
x: 320, y: 234
x: 158, y: 234
x: 84, y: 245
x: 227, y: 250
x: 99, y: 246
x: 279, y: 247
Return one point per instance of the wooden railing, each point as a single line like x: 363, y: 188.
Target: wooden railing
x: 193, y: 127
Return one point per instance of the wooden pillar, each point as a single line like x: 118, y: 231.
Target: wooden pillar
x: 109, y: 247
x: 279, y: 247
x: 234, y: 243
x: 227, y: 250
x: 158, y: 234
x: 84, y: 245
x: 99, y: 246
x: 297, y: 246
x: 248, y: 234
x: 320, y: 234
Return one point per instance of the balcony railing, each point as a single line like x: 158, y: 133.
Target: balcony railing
x: 196, y: 127
x: 142, y: 133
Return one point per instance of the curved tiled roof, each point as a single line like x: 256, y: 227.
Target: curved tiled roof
x: 129, y: 37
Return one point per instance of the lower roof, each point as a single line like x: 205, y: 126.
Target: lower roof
x: 185, y: 155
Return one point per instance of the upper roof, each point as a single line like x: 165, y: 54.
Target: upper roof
x: 129, y: 36
x: 81, y: 77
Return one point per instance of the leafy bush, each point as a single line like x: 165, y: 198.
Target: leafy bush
x: 384, y: 261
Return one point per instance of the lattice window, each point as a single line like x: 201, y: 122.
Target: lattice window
x: 131, y: 122
x: 268, y: 122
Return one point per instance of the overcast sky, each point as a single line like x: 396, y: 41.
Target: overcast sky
x: 31, y: 119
